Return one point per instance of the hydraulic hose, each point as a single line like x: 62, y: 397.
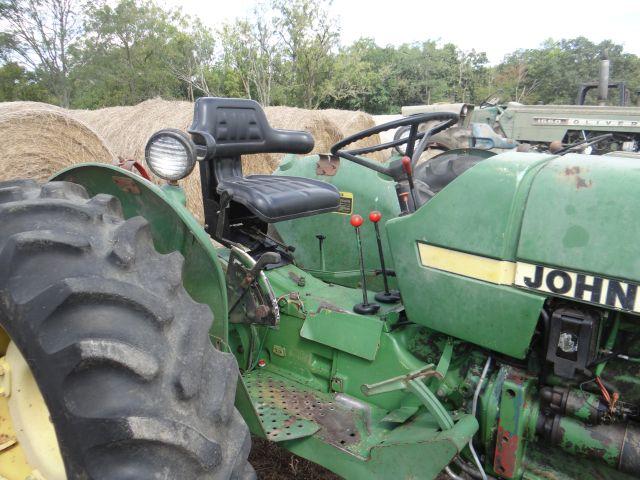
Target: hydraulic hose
x: 474, y: 407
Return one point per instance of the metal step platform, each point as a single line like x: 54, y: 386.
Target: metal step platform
x: 287, y: 410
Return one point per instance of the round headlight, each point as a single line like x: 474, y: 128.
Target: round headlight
x: 170, y: 154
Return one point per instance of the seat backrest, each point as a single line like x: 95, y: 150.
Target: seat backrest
x: 224, y: 129
x: 231, y: 127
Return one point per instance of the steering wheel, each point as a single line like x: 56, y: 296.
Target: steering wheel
x: 413, y: 151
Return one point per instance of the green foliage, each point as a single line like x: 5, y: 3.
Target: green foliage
x: 17, y: 83
x: 285, y: 52
x: 552, y: 73
x: 127, y: 54
x: 309, y: 36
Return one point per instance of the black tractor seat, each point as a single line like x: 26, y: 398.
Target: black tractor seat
x: 274, y: 199
x: 235, y: 205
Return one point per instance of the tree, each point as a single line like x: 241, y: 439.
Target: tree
x: 472, y: 76
x: 310, y: 35
x: 127, y: 54
x: 552, y: 73
x: 194, y: 57
x: 17, y: 83
x: 39, y: 34
x: 254, y: 49
x: 358, y: 79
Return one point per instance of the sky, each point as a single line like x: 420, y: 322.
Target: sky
x: 495, y: 27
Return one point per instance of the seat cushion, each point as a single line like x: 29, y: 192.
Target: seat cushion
x: 274, y: 198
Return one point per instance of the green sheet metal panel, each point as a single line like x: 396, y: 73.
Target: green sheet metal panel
x: 358, y: 335
x: 479, y: 213
x: 497, y: 317
x: 545, y: 123
x: 578, y: 216
x: 370, y: 191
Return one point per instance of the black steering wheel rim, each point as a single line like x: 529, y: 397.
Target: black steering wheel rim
x: 413, y: 121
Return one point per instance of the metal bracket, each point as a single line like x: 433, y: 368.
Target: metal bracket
x: 253, y: 300
x: 412, y: 382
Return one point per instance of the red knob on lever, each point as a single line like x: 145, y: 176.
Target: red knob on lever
x: 375, y: 216
x: 406, y: 165
x: 364, y: 308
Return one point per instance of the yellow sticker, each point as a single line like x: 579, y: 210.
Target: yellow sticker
x: 346, y: 203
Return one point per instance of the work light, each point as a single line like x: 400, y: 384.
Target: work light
x: 170, y: 154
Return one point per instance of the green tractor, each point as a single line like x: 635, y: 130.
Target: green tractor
x: 474, y: 316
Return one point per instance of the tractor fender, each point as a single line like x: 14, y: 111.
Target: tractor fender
x: 173, y: 228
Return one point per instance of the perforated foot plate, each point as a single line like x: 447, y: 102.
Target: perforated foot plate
x: 287, y: 410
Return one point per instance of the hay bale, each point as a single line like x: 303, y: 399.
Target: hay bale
x: 127, y: 129
x: 351, y: 122
x: 39, y: 140
x: 13, y: 107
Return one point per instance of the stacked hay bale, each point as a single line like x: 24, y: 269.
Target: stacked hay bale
x: 380, y: 119
x: 40, y: 139
x: 43, y: 138
x: 351, y: 122
x: 127, y: 129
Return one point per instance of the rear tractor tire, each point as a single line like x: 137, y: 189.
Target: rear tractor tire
x: 118, y: 349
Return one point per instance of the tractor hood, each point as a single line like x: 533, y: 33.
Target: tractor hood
x: 579, y: 234
x: 582, y: 214
x: 479, y: 259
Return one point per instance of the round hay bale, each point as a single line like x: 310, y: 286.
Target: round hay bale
x: 13, y: 107
x: 127, y: 129
x: 37, y: 142
x: 351, y: 122
x: 380, y: 119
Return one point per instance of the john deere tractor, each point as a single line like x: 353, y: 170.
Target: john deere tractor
x: 475, y: 315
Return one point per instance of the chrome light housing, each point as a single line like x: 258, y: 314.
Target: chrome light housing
x: 170, y: 154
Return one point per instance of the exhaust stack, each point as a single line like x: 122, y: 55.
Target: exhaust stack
x: 603, y: 81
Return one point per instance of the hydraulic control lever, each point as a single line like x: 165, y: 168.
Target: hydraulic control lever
x: 408, y: 169
x: 321, y: 238
x: 388, y: 296
x: 364, y: 308
x: 266, y: 259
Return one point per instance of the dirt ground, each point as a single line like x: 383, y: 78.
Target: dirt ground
x: 274, y: 463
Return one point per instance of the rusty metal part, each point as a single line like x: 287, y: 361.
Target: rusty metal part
x: 555, y: 146
x: 327, y: 165
x: 132, y: 166
x: 324, y: 305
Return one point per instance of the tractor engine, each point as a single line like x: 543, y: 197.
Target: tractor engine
x: 589, y: 399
